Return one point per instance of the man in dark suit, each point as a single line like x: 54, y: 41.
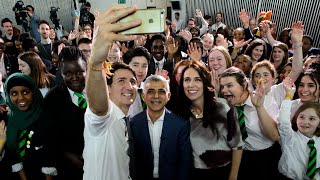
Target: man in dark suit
x: 64, y: 108
x: 158, y: 60
x: 161, y: 144
x: 8, y: 63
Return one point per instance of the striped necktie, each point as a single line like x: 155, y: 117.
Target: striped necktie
x: 82, y: 103
x: 242, y: 124
x: 312, y: 164
x: 22, y: 141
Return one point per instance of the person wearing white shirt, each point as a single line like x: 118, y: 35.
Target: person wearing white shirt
x: 161, y: 140
x: 218, y: 23
x: 299, y: 138
x: 178, y: 22
x: 138, y: 59
x: 105, y: 154
x: 258, y: 124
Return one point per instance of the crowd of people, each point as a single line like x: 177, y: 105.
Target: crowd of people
x: 206, y: 102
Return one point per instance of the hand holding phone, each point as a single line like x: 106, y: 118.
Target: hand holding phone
x: 76, y: 12
x: 152, y: 21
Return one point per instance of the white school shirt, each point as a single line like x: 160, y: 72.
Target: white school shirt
x: 74, y: 97
x: 106, y: 144
x: 155, y: 131
x: 295, y: 151
x: 278, y: 93
x: 256, y: 139
x: 161, y: 63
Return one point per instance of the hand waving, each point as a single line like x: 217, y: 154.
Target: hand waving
x: 172, y: 46
x: 257, y: 97
x: 289, y: 85
x: 297, y: 32
x: 194, y: 52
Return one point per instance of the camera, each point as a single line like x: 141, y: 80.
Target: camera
x: 54, y: 16
x: 21, y: 15
x: 84, y: 16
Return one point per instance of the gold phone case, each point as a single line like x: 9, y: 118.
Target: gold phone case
x: 152, y: 21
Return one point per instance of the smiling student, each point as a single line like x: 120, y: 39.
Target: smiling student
x: 25, y: 141
x: 64, y: 108
x: 299, y: 138
x: 258, y: 124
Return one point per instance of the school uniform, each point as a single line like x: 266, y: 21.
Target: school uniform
x: 66, y: 120
x: 295, y: 150
x: 260, y: 156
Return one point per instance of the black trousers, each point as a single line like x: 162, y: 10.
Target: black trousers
x: 220, y: 173
x: 262, y: 165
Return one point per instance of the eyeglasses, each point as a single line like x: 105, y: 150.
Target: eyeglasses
x: 85, y: 51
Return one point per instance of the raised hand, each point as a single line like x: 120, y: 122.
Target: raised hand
x: 172, y: 46
x: 297, y: 32
x: 72, y: 35
x: 257, y: 97
x: 198, y: 13
x: 194, y: 52
x: 215, y: 81
x: 3, y: 130
x: 289, y: 85
x: 186, y: 34
x: 140, y: 41
x: 105, y: 32
x: 162, y: 72
x: 244, y: 17
x: 240, y: 44
x: 124, y: 48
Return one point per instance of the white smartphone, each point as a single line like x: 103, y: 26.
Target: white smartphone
x: 152, y: 21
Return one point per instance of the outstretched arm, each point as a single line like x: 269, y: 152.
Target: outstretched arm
x: 297, y: 61
x: 267, y: 123
x: 105, y: 33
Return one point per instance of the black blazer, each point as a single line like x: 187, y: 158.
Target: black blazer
x: 175, y: 153
x: 168, y: 65
x: 66, y: 122
x: 11, y: 64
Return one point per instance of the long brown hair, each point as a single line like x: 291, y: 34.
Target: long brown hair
x: 39, y: 72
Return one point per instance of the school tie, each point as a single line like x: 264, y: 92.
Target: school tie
x: 144, y: 106
x: 312, y: 164
x: 82, y: 103
x: 242, y: 124
x: 22, y: 141
x: 158, y: 66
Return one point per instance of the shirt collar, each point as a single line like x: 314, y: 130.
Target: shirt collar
x: 161, y: 118
x: 161, y: 61
x: 72, y: 92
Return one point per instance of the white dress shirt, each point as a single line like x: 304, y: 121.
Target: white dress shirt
x: 106, y: 144
x: 295, y: 151
x: 3, y: 70
x: 155, y: 131
x: 256, y: 139
x: 161, y: 63
x: 74, y: 97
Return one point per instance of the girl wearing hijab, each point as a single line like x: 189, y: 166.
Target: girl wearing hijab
x: 26, y: 149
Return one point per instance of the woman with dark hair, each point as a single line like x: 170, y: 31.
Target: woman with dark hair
x: 174, y: 84
x: 284, y: 37
x: 257, y: 50
x: 215, y: 134
x: 31, y: 64
x: 26, y: 144
x: 258, y: 125
x: 87, y: 29
x: 279, y: 56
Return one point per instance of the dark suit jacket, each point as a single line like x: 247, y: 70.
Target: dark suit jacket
x: 11, y: 64
x: 168, y: 65
x: 66, y: 122
x: 175, y: 154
